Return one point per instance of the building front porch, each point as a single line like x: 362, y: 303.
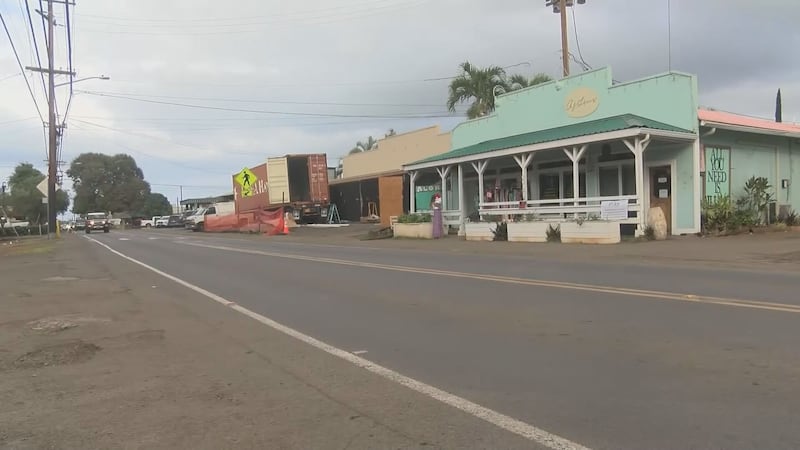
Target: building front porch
x: 612, y: 176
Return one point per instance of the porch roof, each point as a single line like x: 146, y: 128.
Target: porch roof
x: 606, y: 125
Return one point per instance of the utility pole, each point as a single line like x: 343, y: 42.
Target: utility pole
x: 53, y: 141
x: 564, y: 43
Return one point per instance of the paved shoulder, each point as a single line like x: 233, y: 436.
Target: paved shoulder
x: 104, y: 354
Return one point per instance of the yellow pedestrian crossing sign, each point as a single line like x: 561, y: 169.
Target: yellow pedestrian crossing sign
x: 246, y: 179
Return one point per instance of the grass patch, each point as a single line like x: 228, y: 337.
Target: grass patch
x: 31, y: 246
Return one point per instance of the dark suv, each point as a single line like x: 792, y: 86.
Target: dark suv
x: 97, y: 221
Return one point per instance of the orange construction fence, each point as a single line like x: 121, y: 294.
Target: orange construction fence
x: 263, y: 222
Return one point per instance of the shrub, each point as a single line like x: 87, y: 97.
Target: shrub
x: 414, y: 218
x: 554, y: 234
x: 789, y: 219
x: 650, y: 233
x: 500, y: 232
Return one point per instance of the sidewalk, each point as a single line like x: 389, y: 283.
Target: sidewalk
x: 96, y: 352
x: 779, y: 251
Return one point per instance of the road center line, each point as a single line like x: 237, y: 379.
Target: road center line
x: 738, y: 303
x: 498, y: 419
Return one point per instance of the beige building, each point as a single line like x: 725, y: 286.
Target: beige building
x: 394, y: 151
x: 373, y: 182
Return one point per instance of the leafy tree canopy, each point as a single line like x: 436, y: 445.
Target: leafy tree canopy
x: 111, y: 183
x: 156, y: 204
x: 25, y: 200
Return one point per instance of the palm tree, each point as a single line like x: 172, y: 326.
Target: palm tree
x: 481, y: 85
x: 476, y: 84
x: 360, y: 147
x: 521, y: 81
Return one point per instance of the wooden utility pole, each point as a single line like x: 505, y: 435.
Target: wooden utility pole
x: 52, y: 154
x: 564, y: 43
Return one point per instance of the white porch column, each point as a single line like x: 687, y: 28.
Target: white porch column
x: 523, y: 161
x: 480, y: 168
x: 443, y: 173
x: 638, y: 147
x: 462, y: 204
x: 575, y: 154
x: 412, y: 184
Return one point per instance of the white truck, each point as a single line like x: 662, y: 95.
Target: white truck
x: 196, y: 222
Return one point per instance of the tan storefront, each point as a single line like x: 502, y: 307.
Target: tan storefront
x: 373, y: 182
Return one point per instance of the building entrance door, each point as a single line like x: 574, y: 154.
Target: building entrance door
x: 661, y: 192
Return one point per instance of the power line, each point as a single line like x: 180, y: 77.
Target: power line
x: 35, y: 44
x: 259, y: 111
x: 279, y: 102
x: 582, y: 62
x: 21, y: 67
x: 241, y: 28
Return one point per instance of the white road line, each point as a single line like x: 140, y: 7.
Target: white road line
x: 124, y: 239
x: 359, y: 352
x: 152, y: 238
x: 500, y: 420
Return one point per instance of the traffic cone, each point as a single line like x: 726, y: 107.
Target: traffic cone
x: 285, y: 225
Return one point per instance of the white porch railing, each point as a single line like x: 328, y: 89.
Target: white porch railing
x: 556, y: 209
x: 451, y: 217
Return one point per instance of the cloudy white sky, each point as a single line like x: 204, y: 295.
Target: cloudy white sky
x: 346, y: 69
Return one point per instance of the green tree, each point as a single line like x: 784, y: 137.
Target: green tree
x: 370, y: 144
x: 25, y: 200
x: 111, y: 183
x: 480, y: 85
x: 518, y: 81
x: 156, y: 204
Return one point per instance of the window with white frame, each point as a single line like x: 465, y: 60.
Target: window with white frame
x: 617, y: 179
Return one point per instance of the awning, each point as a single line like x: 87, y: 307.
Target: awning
x: 539, y: 140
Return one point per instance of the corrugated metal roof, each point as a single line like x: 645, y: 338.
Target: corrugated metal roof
x: 606, y: 125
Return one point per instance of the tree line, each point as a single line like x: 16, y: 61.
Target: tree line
x: 107, y: 183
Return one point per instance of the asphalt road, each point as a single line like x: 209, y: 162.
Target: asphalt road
x: 703, y: 358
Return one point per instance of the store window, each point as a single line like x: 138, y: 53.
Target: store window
x: 617, y: 180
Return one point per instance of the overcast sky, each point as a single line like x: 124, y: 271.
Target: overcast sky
x: 348, y: 69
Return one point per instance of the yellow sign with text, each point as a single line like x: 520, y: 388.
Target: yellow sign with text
x: 247, y: 180
x: 581, y: 102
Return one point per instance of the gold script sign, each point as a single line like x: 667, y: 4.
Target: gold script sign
x: 581, y: 102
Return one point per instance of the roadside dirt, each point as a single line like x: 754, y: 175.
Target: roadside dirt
x: 98, y: 353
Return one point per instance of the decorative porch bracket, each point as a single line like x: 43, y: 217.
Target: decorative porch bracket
x: 412, y: 185
x: 637, y: 147
x: 443, y: 173
x: 575, y: 154
x: 523, y: 161
x: 480, y: 168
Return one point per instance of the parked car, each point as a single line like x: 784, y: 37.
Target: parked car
x: 80, y: 224
x: 162, y: 222
x: 98, y: 221
x: 196, y: 222
x: 148, y: 223
x: 175, y: 221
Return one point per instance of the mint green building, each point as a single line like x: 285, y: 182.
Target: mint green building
x: 585, y: 146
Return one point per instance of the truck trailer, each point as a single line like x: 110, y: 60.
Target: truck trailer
x: 298, y: 183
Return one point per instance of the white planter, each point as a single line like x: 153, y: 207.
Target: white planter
x: 590, y: 232
x: 479, y: 231
x: 528, y: 231
x: 414, y: 230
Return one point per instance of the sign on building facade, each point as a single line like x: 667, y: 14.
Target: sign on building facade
x: 718, y: 171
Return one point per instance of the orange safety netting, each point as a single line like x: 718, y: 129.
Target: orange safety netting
x: 264, y: 222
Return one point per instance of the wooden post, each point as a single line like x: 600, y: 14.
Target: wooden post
x: 575, y: 156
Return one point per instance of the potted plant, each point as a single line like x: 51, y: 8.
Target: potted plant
x: 528, y: 229
x: 415, y: 226
x: 590, y: 230
x: 481, y: 230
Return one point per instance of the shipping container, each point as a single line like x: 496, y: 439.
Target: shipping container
x: 298, y: 183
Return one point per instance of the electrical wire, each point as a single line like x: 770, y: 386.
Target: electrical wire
x: 259, y: 111
x: 35, y: 44
x: 21, y: 67
x: 279, y: 102
x: 582, y: 61
x: 239, y: 28
x: 69, y: 56
x: 8, y: 77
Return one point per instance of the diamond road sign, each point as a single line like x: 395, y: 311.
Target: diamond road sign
x: 42, y: 187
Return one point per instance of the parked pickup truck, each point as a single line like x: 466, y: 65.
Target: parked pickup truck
x: 98, y: 221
